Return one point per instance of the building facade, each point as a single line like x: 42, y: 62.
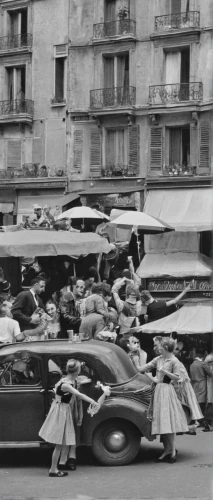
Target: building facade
x: 111, y: 100
x: 33, y: 89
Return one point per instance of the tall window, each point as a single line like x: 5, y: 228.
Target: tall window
x: 178, y: 72
x: 60, y: 73
x: 175, y: 6
x: 116, y: 71
x: 16, y: 82
x: 18, y: 25
x: 179, y: 146
x: 116, y: 153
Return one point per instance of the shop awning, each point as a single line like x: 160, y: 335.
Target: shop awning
x: 178, y: 265
x: 183, y: 209
x: 6, y: 208
x: 192, y: 318
x: 31, y: 243
x: 112, y: 190
x: 67, y: 198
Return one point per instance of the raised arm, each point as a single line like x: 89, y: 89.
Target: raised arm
x: 179, y: 297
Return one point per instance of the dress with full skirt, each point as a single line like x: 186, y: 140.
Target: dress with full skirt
x: 186, y: 393
x: 168, y: 415
x: 58, y: 428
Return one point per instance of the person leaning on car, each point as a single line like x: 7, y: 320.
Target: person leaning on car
x: 26, y: 303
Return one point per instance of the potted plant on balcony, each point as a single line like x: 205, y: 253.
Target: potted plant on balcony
x: 123, y: 12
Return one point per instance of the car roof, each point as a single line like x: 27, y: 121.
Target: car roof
x: 110, y: 361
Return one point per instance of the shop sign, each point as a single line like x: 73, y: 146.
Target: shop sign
x: 123, y: 200
x: 197, y: 285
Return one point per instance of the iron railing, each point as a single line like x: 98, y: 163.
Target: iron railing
x: 112, y: 97
x: 114, y: 28
x: 32, y: 171
x: 119, y: 170
x: 17, y: 107
x: 175, y: 92
x: 16, y: 41
x: 181, y: 20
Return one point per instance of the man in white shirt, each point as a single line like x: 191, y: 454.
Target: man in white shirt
x: 9, y: 328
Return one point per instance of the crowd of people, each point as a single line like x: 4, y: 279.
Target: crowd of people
x: 52, y: 304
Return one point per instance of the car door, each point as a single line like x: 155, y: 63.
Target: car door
x: 22, y: 397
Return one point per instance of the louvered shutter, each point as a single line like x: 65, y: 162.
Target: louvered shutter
x: 14, y: 154
x: 204, y: 163
x: 155, y: 148
x: 78, y: 150
x: 95, y: 153
x: 134, y: 137
x: 193, y: 145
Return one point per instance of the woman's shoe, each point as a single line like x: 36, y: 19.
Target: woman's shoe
x: 164, y: 459
x: 58, y: 474
x: 71, y: 464
x: 172, y: 460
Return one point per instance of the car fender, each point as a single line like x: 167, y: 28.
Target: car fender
x: 119, y: 407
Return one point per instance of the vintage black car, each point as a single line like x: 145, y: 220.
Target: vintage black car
x: 28, y: 374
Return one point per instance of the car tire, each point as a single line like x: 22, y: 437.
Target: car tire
x: 116, y: 442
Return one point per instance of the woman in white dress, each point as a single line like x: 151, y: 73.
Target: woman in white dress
x: 168, y: 415
x: 58, y: 428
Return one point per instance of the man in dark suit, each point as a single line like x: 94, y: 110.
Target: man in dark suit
x: 26, y: 303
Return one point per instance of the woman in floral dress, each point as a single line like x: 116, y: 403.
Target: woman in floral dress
x: 168, y: 415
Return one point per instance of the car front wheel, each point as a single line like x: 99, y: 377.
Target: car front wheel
x: 116, y: 442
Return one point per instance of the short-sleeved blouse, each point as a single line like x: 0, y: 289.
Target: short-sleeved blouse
x: 171, y: 365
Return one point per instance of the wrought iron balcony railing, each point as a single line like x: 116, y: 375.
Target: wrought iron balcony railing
x: 113, y: 97
x: 119, y: 170
x: 175, y: 92
x: 181, y: 20
x: 16, y: 41
x: 32, y: 171
x: 114, y: 28
x: 17, y: 107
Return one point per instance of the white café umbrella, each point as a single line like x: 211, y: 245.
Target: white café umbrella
x: 80, y: 213
x: 84, y: 213
x: 140, y: 221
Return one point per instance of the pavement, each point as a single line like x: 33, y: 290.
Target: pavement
x: 24, y: 475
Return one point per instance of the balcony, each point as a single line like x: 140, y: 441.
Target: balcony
x: 33, y: 171
x: 115, y: 97
x: 123, y: 27
x: 177, y: 170
x: 20, y: 110
x: 119, y: 170
x: 183, y: 20
x: 15, y: 42
x: 175, y: 93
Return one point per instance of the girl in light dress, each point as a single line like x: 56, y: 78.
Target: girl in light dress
x: 58, y: 427
x: 168, y: 416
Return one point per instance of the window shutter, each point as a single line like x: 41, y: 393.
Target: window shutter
x: 78, y: 150
x: 134, y: 137
x: 14, y: 154
x: 193, y: 145
x: 156, y: 149
x: 204, y: 164
x: 95, y: 153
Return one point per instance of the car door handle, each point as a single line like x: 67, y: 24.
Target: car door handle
x: 51, y: 391
x: 42, y: 390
